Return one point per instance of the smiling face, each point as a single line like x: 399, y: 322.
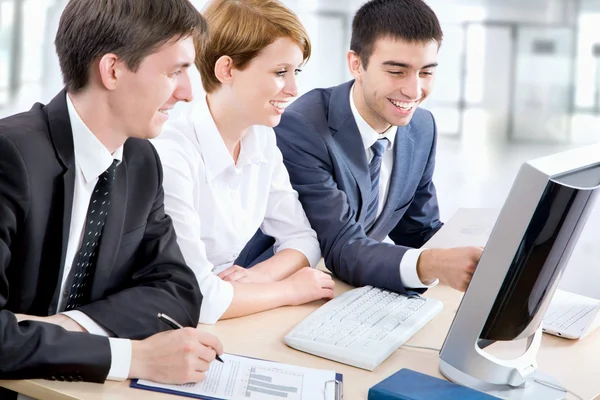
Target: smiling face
x: 143, y: 98
x: 263, y: 89
x: 399, y: 76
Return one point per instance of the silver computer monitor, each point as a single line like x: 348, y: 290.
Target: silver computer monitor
x: 519, y: 270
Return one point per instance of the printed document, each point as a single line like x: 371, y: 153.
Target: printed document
x: 241, y: 377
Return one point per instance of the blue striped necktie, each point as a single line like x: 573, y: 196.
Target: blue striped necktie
x: 378, y: 149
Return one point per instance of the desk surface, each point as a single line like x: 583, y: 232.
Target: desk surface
x: 261, y: 335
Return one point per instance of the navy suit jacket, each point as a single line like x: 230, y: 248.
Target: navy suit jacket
x: 325, y: 156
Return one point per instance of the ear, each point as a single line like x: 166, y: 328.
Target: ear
x: 223, y: 69
x: 354, y: 64
x: 109, y: 69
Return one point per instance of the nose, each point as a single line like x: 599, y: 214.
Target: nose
x: 183, y: 90
x: 412, y: 87
x: 291, y: 87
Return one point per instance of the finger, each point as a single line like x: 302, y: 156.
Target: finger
x: 191, y: 377
x: 327, y: 293
x: 198, y: 360
x: 324, y: 276
x: 327, y: 283
x: 248, y: 278
x: 205, y: 356
x: 211, y: 341
x: 191, y: 346
x: 465, y: 285
x: 236, y: 276
x: 471, y: 268
x: 228, y: 271
x: 201, y: 376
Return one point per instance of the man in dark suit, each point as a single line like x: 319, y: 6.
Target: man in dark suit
x: 85, y: 245
x: 361, y: 156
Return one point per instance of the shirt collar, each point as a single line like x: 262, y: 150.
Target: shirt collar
x: 91, y: 155
x: 369, y: 135
x: 214, y: 152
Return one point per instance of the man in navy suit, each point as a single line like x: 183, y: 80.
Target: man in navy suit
x: 361, y: 156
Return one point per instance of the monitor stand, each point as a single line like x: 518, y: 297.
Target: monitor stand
x: 513, y: 379
x: 531, y: 390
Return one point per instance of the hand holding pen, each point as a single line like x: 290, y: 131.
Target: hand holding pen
x: 178, y: 356
x: 176, y: 325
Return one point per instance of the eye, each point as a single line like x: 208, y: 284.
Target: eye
x: 428, y: 73
x: 396, y: 72
x: 297, y: 71
x: 174, y: 74
x: 281, y: 73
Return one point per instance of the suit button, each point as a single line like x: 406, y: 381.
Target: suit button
x: 61, y: 378
x: 52, y: 378
x: 70, y: 379
x: 78, y: 379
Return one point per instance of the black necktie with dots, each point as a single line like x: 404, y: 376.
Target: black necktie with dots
x: 85, y: 265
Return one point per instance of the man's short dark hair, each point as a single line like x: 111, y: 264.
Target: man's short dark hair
x: 409, y: 20
x: 131, y: 29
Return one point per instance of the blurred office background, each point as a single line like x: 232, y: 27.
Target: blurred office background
x: 517, y: 79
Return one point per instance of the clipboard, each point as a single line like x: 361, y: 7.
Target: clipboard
x: 337, y: 383
x: 339, y: 386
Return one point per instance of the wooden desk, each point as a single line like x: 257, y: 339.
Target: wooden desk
x: 576, y: 364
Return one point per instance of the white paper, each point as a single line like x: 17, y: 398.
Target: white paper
x: 247, y: 378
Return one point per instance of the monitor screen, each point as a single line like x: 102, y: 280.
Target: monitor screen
x: 542, y: 255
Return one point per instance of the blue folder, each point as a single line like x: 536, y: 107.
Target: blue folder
x: 135, y: 384
x: 407, y: 384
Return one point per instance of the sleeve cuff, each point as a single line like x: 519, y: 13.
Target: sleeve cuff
x: 408, y: 271
x: 310, y: 249
x: 87, y: 323
x: 120, y: 351
x: 217, y: 297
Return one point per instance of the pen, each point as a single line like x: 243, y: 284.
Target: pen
x: 176, y: 325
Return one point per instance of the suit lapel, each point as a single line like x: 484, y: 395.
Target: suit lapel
x: 61, y: 135
x: 403, y: 155
x: 112, y: 232
x: 348, y: 138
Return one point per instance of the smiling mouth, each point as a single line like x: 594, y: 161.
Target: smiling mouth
x: 404, y: 105
x: 280, y: 105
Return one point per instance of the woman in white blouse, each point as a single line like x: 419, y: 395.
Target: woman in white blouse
x: 224, y: 177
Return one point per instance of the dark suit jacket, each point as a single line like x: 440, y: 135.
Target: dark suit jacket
x: 325, y: 156
x: 140, y: 270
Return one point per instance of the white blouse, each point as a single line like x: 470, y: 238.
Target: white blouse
x: 217, y: 206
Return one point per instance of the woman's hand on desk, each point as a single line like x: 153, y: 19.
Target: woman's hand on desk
x: 235, y: 273
x: 308, y: 284
x: 176, y: 357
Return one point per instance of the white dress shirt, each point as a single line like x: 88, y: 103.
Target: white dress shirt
x: 217, y: 205
x: 408, y: 264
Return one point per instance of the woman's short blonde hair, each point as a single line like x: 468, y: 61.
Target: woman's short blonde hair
x: 240, y: 29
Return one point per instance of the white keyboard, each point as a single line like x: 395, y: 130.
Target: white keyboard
x: 564, y: 316
x: 363, y: 326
